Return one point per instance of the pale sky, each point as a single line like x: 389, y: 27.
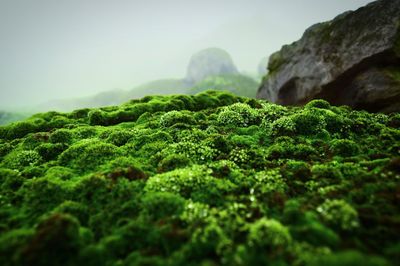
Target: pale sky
x: 53, y: 49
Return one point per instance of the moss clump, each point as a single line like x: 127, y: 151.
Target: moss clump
x: 61, y: 136
x: 162, y: 205
x: 238, y: 115
x: 344, y: 147
x: 319, y: 103
x: 339, y: 214
x: 56, y: 239
x: 269, y: 234
x: 87, y: 155
x: 22, y: 159
x: 173, y: 117
x: 207, y: 179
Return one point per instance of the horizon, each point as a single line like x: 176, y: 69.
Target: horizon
x: 73, y: 49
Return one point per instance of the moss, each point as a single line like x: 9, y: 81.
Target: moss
x: 50, y: 151
x: 75, y: 209
x: 13, y: 242
x: 283, y: 127
x: 55, y: 242
x: 344, y: 147
x: 21, y: 159
x: 18, y: 129
x: 269, y: 234
x: 172, y: 162
x: 87, y: 155
x: 349, y: 258
x: 276, y: 60
x: 329, y: 171
x: 319, y: 103
x: 339, y: 214
x: 206, y: 179
x: 119, y: 137
x: 61, y: 136
x: 173, y: 117
x: 394, y: 121
x: 162, y: 204
x: 308, y: 123
x: 236, y: 83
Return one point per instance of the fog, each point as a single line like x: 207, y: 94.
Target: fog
x: 71, y: 48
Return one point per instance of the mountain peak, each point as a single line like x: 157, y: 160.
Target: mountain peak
x: 209, y: 62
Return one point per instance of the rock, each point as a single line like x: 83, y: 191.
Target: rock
x: 209, y: 62
x: 353, y: 59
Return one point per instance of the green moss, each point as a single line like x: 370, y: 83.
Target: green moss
x: 275, y: 61
x: 162, y: 205
x: 173, y: 117
x: 207, y: 179
x: 349, y: 258
x: 344, y: 147
x: 13, y: 242
x: 18, y: 129
x: 308, y: 122
x: 21, y: 159
x: 283, y: 127
x: 87, y: 155
x: 339, y: 214
x: 319, y: 103
x: 394, y: 72
x: 236, y: 83
x: 50, y: 151
x: 55, y: 242
x: 61, y: 136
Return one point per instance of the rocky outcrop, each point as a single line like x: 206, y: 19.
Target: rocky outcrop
x: 353, y: 59
x: 209, y: 62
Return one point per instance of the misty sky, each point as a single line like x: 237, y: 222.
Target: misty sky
x: 52, y: 49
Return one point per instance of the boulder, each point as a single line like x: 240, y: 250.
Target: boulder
x: 209, y: 62
x: 353, y: 60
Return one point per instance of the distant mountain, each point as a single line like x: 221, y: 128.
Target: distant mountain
x: 9, y: 117
x: 209, y: 62
x: 111, y: 97
x: 162, y: 86
x: 211, y: 68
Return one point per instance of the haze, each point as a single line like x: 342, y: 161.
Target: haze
x: 72, y: 48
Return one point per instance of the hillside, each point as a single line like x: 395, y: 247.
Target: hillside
x: 211, y: 68
x: 239, y: 84
x: 9, y: 117
x: 209, y: 62
x: 210, y: 179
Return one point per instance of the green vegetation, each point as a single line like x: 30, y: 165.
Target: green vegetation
x: 209, y: 179
x: 239, y: 84
x: 236, y: 83
x: 7, y: 117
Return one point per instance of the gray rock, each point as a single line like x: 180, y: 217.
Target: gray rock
x: 209, y: 62
x: 353, y: 59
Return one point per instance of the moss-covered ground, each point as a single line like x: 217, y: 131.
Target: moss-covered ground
x: 210, y: 179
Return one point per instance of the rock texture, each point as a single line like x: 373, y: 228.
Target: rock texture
x: 209, y: 62
x: 353, y: 59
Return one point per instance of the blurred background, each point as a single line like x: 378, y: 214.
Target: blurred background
x: 68, y: 54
